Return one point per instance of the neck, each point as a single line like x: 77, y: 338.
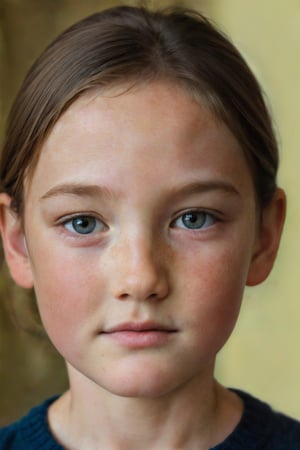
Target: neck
x: 196, y: 416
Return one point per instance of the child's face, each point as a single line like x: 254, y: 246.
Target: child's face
x: 141, y: 226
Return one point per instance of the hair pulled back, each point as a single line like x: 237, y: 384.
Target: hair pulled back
x: 132, y: 45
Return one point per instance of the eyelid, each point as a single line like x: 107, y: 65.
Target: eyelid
x: 215, y: 215
x: 62, y: 221
x: 213, y: 212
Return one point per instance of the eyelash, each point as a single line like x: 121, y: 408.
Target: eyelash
x: 206, y: 216
x: 98, y: 225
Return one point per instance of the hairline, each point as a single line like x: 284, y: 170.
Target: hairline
x: 123, y: 86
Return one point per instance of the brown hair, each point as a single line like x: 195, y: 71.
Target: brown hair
x: 129, y: 44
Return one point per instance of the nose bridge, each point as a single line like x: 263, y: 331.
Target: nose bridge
x: 140, y: 269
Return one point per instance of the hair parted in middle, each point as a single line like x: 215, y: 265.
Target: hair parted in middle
x: 126, y: 46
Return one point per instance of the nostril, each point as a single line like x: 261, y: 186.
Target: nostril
x: 124, y: 296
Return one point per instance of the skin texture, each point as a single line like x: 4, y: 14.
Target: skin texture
x: 137, y: 164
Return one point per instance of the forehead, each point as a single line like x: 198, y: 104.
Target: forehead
x: 157, y: 125
x: 149, y: 103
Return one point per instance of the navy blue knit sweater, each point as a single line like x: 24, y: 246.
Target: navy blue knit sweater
x: 260, y: 428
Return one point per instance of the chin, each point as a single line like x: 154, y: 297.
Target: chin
x: 145, y: 384
x: 143, y: 390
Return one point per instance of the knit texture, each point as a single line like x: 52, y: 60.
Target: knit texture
x: 260, y: 428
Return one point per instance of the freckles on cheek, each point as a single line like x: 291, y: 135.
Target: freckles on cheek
x: 64, y: 321
x: 215, y: 292
x: 62, y: 301
x: 59, y: 312
x: 70, y: 290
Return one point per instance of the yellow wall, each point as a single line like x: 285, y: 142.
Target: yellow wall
x: 263, y: 355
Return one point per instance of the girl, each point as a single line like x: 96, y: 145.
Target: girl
x: 139, y: 197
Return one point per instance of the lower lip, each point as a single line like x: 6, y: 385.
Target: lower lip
x: 140, y: 339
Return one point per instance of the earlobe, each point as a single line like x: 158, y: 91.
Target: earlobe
x: 14, y: 244
x: 268, y: 239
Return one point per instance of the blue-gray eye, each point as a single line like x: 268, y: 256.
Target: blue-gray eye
x: 84, y: 225
x: 194, y: 220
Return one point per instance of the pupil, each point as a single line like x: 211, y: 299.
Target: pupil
x: 193, y: 220
x: 84, y: 225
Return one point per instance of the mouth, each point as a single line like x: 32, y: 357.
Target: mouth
x: 140, y: 334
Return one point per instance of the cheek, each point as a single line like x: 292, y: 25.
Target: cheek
x: 213, y: 290
x: 67, y: 296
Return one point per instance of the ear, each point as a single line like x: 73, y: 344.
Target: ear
x: 268, y: 239
x: 14, y: 244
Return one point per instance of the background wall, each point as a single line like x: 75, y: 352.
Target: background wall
x: 262, y: 356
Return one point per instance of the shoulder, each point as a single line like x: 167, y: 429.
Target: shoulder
x: 7, y: 436
x: 285, y: 432
x: 262, y: 427
x: 30, y: 432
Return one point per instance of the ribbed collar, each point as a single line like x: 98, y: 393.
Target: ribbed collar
x: 254, y: 427
x: 252, y: 430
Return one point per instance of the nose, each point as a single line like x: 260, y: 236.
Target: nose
x: 140, y: 271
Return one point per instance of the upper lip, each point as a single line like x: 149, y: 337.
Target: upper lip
x: 139, y: 326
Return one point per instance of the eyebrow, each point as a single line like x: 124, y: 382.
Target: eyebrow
x: 198, y: 187
x: 79, y: 190
x: 86, y: 190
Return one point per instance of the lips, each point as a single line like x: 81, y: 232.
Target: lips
x: 139, y: 326
x: 139, y: 334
